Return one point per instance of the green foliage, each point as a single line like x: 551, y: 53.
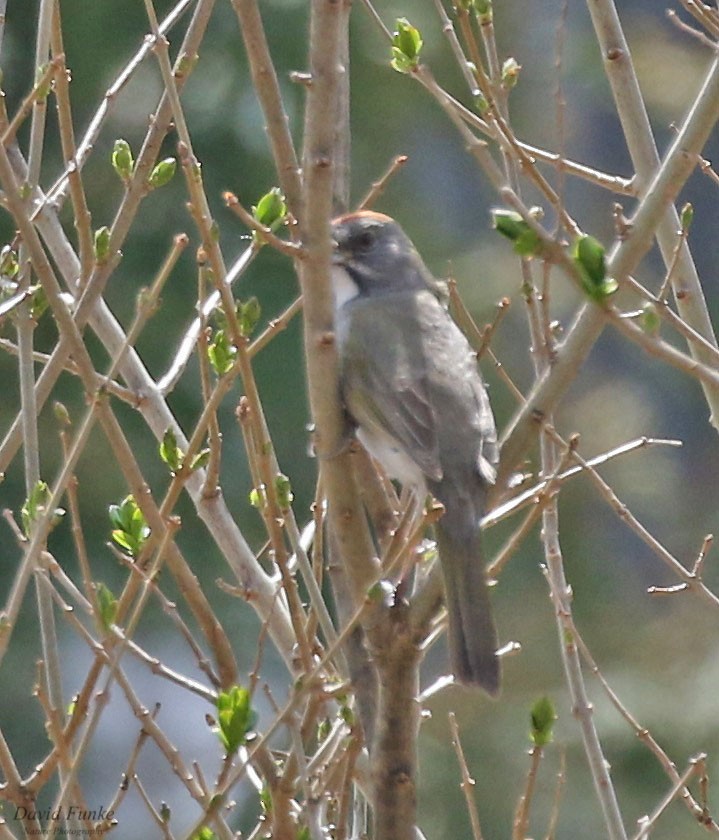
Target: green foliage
x: 235, y: 717
x: 406, y: 47
x: 589, y: 257
x: 266, y: 800
x: 649, y: 320
x: 283, y: 489
x: 542, y: 722
x: 122, y: 160
x: 221, y: 353
x: 687, y: 216
x: 248, y: 315
x: 204, y: 833
x: 270, y: 211
x: 102, y: 244
x: 9, y: 266
x: 107, y: 605
x: 130, y: 528
x: 170, y: 452
x: 163, y: 173
x: 35, y: 506
x: 174, y: 457
x: 483, y: 8
x: 527, y: 242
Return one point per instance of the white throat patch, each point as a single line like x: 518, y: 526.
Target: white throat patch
x: 345, y: 289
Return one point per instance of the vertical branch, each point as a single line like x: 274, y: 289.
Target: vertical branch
x: 345, y: 513
x: 632, y: 113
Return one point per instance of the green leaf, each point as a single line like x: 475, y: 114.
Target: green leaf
x: 221, y: 353
x: 107, y: 605
x: 9, y: 265
x: 483, y: 9
x: 257, y: 497
x: 204, y: 833
x: 130, y: 526
x: 266, y: 800
x: 39, y: 303
x: 235, y: 717
x: 270, y: 212
x: 527, y: 243
x: 170, y: 452
x: 102, y: 244
x: 122, y: 160
x: 589, y: 257
x: 283, y: 489
x: 248, y: 315
x: 200, y: 460
x: 406, y: 47
x: 542, y: 721
x: 35, y: 506
x: 163, y: 173
x: 650, y: 320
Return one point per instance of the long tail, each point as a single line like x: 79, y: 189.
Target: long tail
x: 472, y: 632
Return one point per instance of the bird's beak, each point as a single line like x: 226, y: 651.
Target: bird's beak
x: 338, y: 255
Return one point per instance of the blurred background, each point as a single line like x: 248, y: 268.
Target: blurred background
x: 659, y: 653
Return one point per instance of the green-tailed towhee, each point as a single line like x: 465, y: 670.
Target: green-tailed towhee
x: 410, y: 384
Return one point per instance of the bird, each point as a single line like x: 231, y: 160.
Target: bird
x: 413, y: 394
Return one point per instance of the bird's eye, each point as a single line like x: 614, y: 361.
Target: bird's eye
x: 365, y: 239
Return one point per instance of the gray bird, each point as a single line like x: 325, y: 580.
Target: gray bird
x: 410, y: 385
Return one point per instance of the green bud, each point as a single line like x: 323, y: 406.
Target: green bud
x: 283, y: 489
x: 649, y: 319
x: 406, y: 47
x: 35, y: 506
x: 62, y: 415
x: 235, y: 717
x: 170, y: 452
x: 130, y: 528
x: 44, y: 88
x: 510, y: 73
x: 266, y: 800
x: 185, y: 64
x: 165, y: 812
x: 542, y: 722
x: 200, y: 460
x: 102, y: 244
x: 248, y: 315
x: 221, y: 353
x: 687, y: 216
x: 106, y: 605
x: 270, y: 211
x: 589, y: 257
x: 323, y: 729
x: 163, y: 173
x: 205, y: 833
x: 9, y: 266
x: 257, y: 497
x: 483, y: 10
x: 122, y: 161
x: 39, y: 303
x: 527, y: 242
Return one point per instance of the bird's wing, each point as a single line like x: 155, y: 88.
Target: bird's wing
x: 385, y: 386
